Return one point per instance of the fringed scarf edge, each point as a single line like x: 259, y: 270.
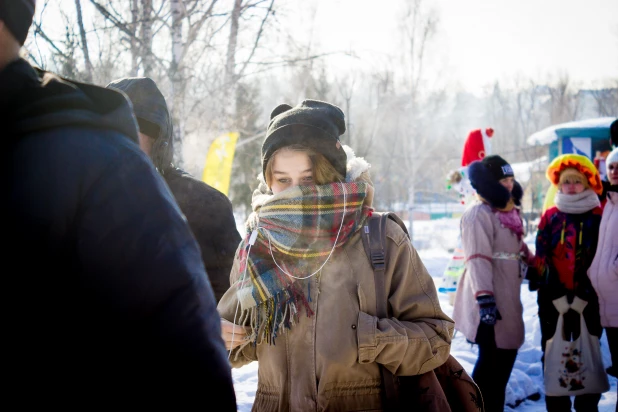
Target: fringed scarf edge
x: 277, y: 314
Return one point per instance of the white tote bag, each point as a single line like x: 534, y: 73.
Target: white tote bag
x: 573, y: 367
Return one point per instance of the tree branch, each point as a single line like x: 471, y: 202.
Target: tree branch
x: 38, y: 30
x: 257, y: 39
x: 84, y: 41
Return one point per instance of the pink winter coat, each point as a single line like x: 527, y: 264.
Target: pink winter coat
x: 484, y: 241
x: 603, y: 272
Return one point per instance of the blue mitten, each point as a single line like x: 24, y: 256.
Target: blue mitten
x: 488, y: 310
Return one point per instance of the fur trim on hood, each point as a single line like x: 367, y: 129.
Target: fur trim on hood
x: 490, y: 189
x: 356, y: 166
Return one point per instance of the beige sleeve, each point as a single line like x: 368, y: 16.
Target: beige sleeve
x: 417, y: 338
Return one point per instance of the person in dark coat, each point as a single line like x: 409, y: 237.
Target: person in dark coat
x: 208, y: 211
x: 105, y: 298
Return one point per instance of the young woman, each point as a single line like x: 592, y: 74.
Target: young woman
x: 566, y: 243
x: 488, y: 309
x: 603, y: 272
x: 302, y: 297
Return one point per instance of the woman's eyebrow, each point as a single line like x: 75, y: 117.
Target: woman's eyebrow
x: 276, y: 172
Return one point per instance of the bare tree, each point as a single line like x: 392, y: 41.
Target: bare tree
x: 606, y: 101
x: 418, y: 26
x: 346, y: 90
x: 563, y: 105
x: 192, y: 26
x: 84, y: 41
x: 146, y: 23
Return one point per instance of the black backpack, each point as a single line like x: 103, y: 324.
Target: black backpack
x: 445, y: 388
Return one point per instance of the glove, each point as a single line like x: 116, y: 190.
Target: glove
x: 488, y: 310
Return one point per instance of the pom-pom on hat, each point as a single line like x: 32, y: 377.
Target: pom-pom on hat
x: 476, y: 146
x: 312, y: 123
x: 579, y: 162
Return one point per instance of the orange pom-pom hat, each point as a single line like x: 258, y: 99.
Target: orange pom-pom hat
x: 579, y: 162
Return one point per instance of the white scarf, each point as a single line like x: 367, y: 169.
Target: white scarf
x: 577, y: 203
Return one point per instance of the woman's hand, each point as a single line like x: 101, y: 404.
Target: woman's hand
x: 233, y: 335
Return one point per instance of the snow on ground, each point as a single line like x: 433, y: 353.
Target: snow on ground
x: 435, y: 240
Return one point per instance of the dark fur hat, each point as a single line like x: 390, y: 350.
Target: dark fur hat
x: 498, y: 167
x: 486, y: 185
x: 312, y: 123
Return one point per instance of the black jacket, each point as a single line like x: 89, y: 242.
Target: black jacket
x: 208, y: 211
x: 104, y: 294
x: 210, y: 216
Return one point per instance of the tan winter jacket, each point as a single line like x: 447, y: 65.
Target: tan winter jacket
x: 329, y: 362
x: 485, y: 241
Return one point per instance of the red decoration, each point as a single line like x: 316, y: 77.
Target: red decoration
x: 474, y: 148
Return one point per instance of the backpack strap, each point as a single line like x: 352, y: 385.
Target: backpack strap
x: 374, y: 235
x: 374, y: 239
x: 445, y: 388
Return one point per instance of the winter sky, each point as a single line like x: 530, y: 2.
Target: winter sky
x: 480, y: 41
x: 476, y: 42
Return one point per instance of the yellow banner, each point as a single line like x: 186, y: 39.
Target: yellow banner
x: 218, y: 167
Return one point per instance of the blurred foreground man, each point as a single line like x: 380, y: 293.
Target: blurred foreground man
x: 208, y: 211
x: 104, y: 294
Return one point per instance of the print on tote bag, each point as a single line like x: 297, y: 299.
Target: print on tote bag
x: 573, y: 367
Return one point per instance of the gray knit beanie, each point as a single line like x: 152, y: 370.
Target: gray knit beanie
x: 312, y: 123
x: 17, y: 16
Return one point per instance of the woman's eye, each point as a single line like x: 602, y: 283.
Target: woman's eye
x: 308, y: 179
x: 283, y: 181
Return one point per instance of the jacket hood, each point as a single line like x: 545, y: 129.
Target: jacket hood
x: 34, y: 100
x: 149, y: 104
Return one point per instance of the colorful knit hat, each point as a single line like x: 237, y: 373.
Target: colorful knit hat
x: 575, y: 161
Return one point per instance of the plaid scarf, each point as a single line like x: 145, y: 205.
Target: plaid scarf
x: 298, y: 228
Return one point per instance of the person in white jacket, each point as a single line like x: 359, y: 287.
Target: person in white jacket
x: 603, y: 272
